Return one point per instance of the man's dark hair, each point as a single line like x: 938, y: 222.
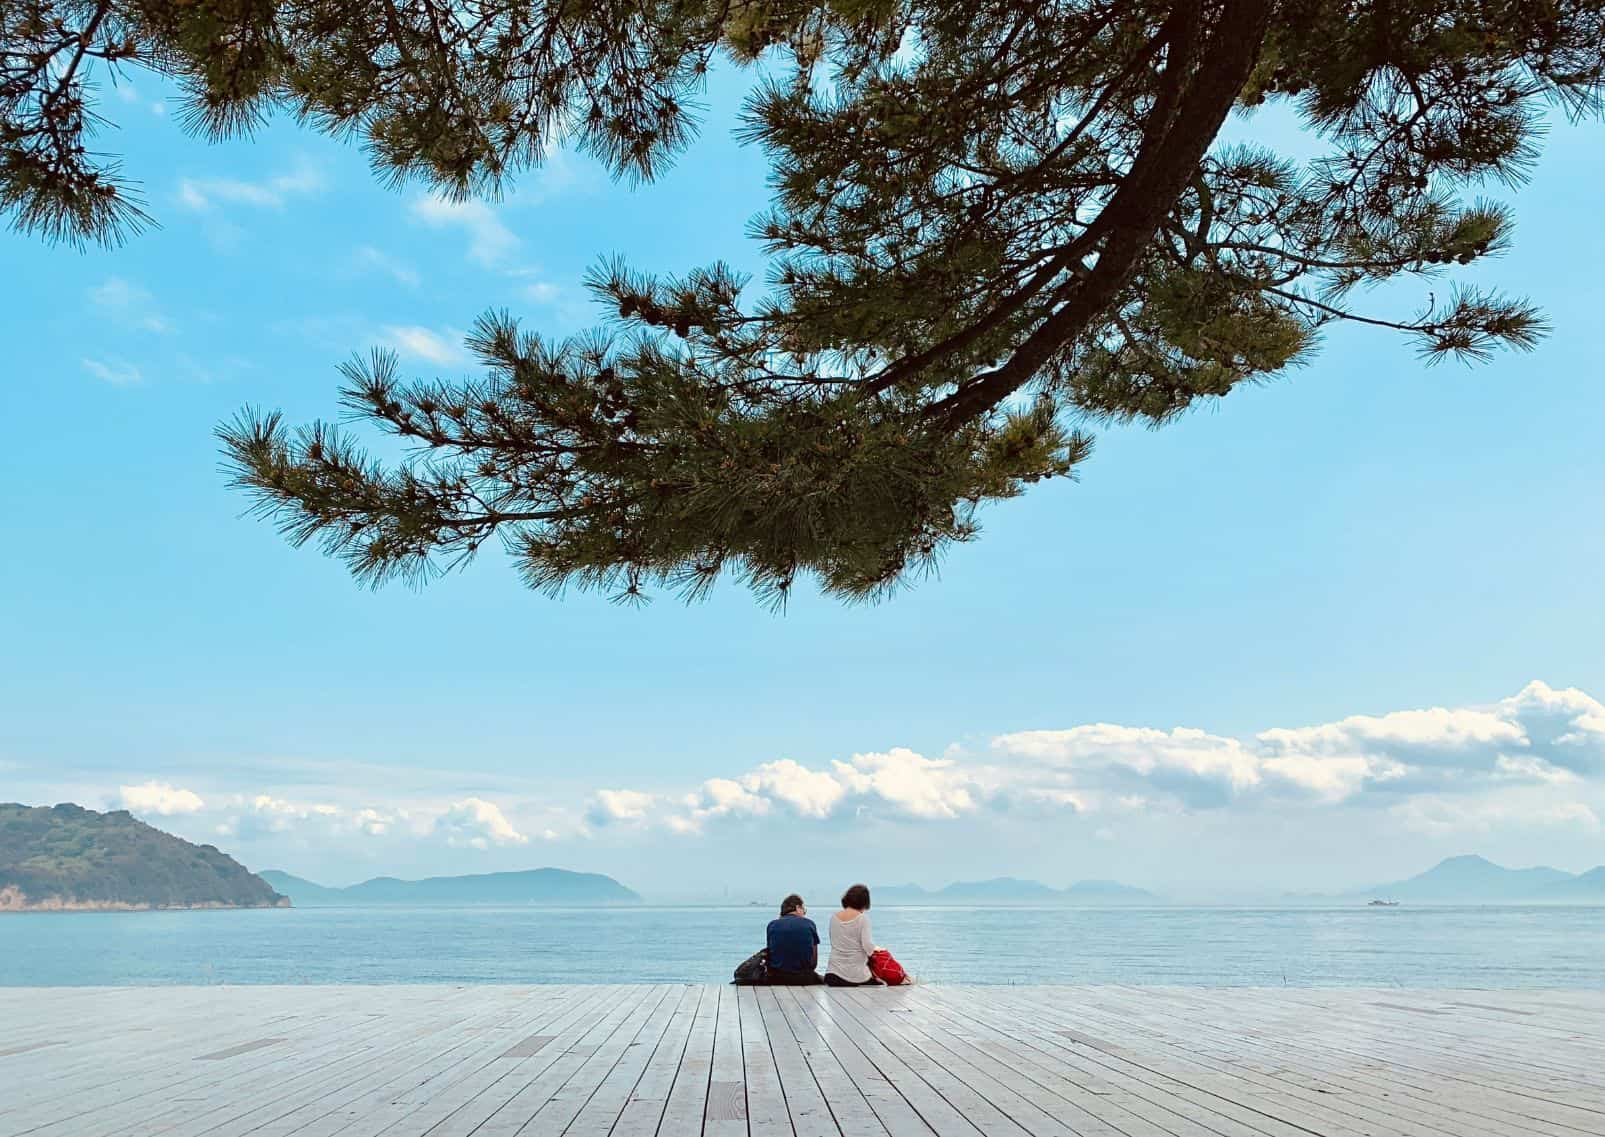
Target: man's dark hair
x: 790, y: 904
x: 856, y: 897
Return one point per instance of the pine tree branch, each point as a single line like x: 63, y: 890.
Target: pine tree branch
x: 1167, y: 162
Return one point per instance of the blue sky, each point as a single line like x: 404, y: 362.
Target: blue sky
x: 1362, y: 537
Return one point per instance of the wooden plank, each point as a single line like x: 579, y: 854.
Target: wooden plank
x: 602, y: 1111
x: 465, y: 1108
x: 561, y: 1109
x: 767, y: 1115
x: 920, y: 1079
x: 839, y: 1064
x: 644, y: 1110
x: 726, y: 1114
x: 1368, y: 1090
x: 537, y: 1093
x: 678, y: 1060
x: 1290, y: 1104
x: 688, y: 1097
x: 286, y: 1098
x: 9, y: 1051
x: 236, y: 1051
x: 811, y: 1114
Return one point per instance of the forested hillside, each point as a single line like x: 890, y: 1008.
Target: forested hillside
x: 65, y: 857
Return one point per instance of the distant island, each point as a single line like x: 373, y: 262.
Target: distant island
x: 1008, y: 890
x: 552, y: 887
x: 67, y: 858
x: 1472, y: 879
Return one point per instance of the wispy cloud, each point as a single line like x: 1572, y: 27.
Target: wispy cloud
x: 129, y: 304
x: 370, y: 259
x: 205, y: 194
x: 422, y: 343
x: 490, y: 243
x: 466, y: 823
x: 117, y: 372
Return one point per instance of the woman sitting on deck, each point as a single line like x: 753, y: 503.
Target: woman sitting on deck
x: 851, y: 944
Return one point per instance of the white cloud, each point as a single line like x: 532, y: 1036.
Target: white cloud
x: 1540, y: 735
x: 812, y: 793
x: 559, y: 173
x: 1422, y: 734
x: 1540, y: 740
x: 1527, y: 767
x: 913, y: 784
x: 718, y: 797
x: 117, y: 372
x: 1199, y: 767
x: 129, y: 304
x: 422, y: 343
x: 542, y: 292
x: 263, y: 814
x: 369, y: 259
x: 1333, y: 778
x: 478, y: 824
x: 727, y: 797
x: 1440, y: 817
x: 620, y: 805
x: 1529, y: 762
x: 490, y: 243
x: 372, y: 822
x: 204, y: 194
x: 159, y: 799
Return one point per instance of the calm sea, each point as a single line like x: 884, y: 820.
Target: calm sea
x: 1405, y: 946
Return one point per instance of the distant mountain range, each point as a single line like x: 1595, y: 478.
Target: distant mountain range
x: 1477, y: 880
x: 68, y: 858
x: 1006, y: 890
x: 555, y: 887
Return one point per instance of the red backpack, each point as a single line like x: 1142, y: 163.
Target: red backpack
x: 883, y: 967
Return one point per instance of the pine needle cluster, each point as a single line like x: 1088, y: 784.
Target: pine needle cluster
x: 995, y: 224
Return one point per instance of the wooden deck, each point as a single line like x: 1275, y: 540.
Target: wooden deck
x: 678, y: 1060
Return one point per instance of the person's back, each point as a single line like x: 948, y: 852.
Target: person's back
x: 793, y: 943
x: 851, y: 943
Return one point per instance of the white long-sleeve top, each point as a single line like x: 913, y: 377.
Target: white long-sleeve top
x: 850, y: 947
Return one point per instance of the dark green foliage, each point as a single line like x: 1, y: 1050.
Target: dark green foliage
x: 459, y: 94
x: 994, y: 224
x: 76, y: 855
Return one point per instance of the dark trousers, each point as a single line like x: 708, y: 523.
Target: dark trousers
x: 834, y: 980
x: 782, y: 978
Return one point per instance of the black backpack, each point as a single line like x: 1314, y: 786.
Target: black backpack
x: 754, y: 970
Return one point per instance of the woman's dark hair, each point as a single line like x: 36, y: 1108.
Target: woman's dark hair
x: 790, y: 904
x: 856, y: 897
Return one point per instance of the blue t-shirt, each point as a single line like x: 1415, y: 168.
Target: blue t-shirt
x: 792, y: 940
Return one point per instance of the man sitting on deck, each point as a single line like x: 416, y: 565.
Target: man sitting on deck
x: 793, y: 945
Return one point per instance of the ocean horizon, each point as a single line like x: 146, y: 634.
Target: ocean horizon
x: 1296, y: 945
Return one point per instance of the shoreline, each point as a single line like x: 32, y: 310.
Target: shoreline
x: 16, y: 903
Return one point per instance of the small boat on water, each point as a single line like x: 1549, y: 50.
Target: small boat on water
x: 1383, y: 904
